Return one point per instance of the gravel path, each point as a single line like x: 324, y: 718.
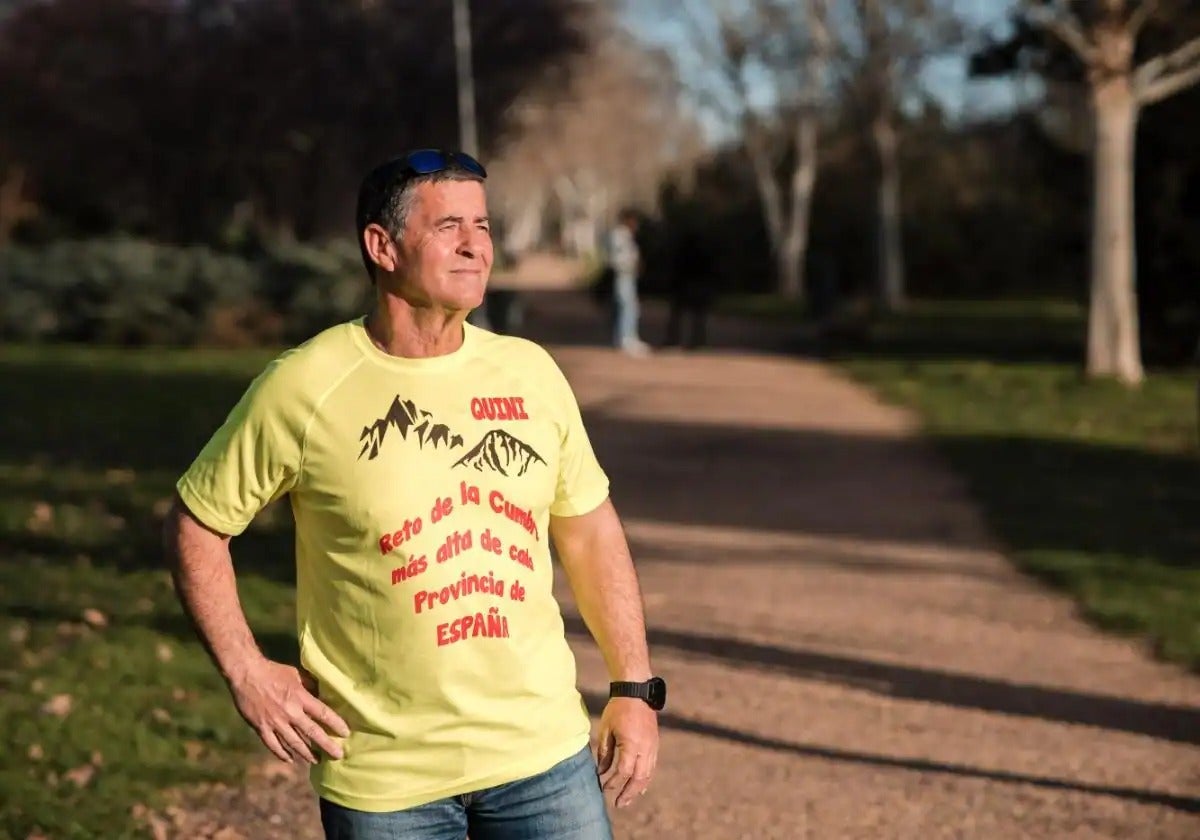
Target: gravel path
x: 848, y: 653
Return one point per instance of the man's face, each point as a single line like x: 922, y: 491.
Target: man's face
x: 445, y: 252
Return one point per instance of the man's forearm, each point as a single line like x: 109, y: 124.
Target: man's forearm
x: 202, y: 569
x: 595, y: 555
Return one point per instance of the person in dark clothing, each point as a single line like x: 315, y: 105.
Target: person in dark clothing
x: 693, y: 286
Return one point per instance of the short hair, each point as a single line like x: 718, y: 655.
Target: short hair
x: 386, y: 196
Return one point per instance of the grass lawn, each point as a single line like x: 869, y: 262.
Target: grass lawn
x: 105, y: 695
x: 1094, y: 488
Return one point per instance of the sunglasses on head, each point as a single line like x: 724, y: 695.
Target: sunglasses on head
x: 428, y: 161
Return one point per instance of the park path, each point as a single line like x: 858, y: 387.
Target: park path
x: 849, y: 654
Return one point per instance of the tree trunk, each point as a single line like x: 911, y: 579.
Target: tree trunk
x: 769, y: 195
x: 525, y: 227
x: 794, y: 248
x: 889, y: 247
x: 1113, y: 344
x: 14, y: 209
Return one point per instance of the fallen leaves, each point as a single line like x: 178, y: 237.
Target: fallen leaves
x: 59, y: 706
x: 94, y: 618
x: 81, y: 775
x: 193, y: 750
x: 41, y: 518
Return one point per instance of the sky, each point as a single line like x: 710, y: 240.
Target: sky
x: 944, y: 78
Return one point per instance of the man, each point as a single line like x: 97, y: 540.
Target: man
x: 625, y: 261
x: 428, y: 463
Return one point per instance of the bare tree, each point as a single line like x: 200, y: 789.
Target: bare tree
x: 581, y: 148
x: 894, y: 39
x: 763, y: 67
x: 1103, y: 35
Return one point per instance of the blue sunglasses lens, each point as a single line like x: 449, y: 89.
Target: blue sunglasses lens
x: 425, y: 161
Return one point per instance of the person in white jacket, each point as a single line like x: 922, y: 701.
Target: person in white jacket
x: 625, y: 261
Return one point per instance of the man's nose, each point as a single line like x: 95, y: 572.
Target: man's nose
x: 472, y: 243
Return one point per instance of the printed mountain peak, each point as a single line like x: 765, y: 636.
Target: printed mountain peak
x: 501, y: 452
x: 406, y: 417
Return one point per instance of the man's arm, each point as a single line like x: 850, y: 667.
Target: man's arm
x: 596, y: 558
x: 271, y: 696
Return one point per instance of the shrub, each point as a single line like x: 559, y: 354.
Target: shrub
x: 132, y: 292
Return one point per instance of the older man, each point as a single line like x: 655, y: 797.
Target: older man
x: 428, y: 463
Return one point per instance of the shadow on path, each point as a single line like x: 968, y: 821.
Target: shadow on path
x: 1171, y: 723
x: 668, y: 720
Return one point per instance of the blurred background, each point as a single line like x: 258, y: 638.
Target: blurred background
x: 197, y: 161
x: 986, y: 210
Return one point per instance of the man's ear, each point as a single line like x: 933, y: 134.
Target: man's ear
x: 380, y: 247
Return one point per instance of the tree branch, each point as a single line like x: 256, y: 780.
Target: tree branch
x: 713, y: 52
x: 1139, y: 16
x: 1181, y: 59
x: 1066, y: 29
x: 1168, y: 85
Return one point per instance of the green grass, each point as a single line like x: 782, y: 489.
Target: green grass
x: 1094, y: 488
x: 768, y: 306
x: 91, y: 441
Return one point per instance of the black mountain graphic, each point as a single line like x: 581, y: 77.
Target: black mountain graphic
x: 500, y: 452
x: 406, y: 417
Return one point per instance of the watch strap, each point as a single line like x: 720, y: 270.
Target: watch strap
x: 640, y: 690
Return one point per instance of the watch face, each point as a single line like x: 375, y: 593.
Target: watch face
x: 658, y: 693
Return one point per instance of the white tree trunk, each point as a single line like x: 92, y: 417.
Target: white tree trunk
x: 770, y: 197
x: 1113, y: 344
x: 889, y: 248
x: 795, y: 240
x: 525, y: 228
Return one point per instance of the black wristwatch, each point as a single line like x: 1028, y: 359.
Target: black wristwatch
x: 653, y: 691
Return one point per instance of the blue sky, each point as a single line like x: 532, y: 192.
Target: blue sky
x: 944, y: 78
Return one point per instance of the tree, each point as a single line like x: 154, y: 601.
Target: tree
x: 893, y: 40
x: 1104, y: 36
x: 762, y: 67
x: 598, y: 135
x: 240, y: 120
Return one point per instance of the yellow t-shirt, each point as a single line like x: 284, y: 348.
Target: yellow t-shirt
x: 422, y: 491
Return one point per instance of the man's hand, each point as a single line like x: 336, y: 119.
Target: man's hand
x: 628, y: 750
x: 290, y: 720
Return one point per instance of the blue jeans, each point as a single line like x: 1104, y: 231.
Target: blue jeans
x: 625, y: 310
x: 564, y: 803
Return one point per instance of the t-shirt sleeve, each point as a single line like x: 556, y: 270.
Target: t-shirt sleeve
x: 251, y: 460
x: 582, y: 483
